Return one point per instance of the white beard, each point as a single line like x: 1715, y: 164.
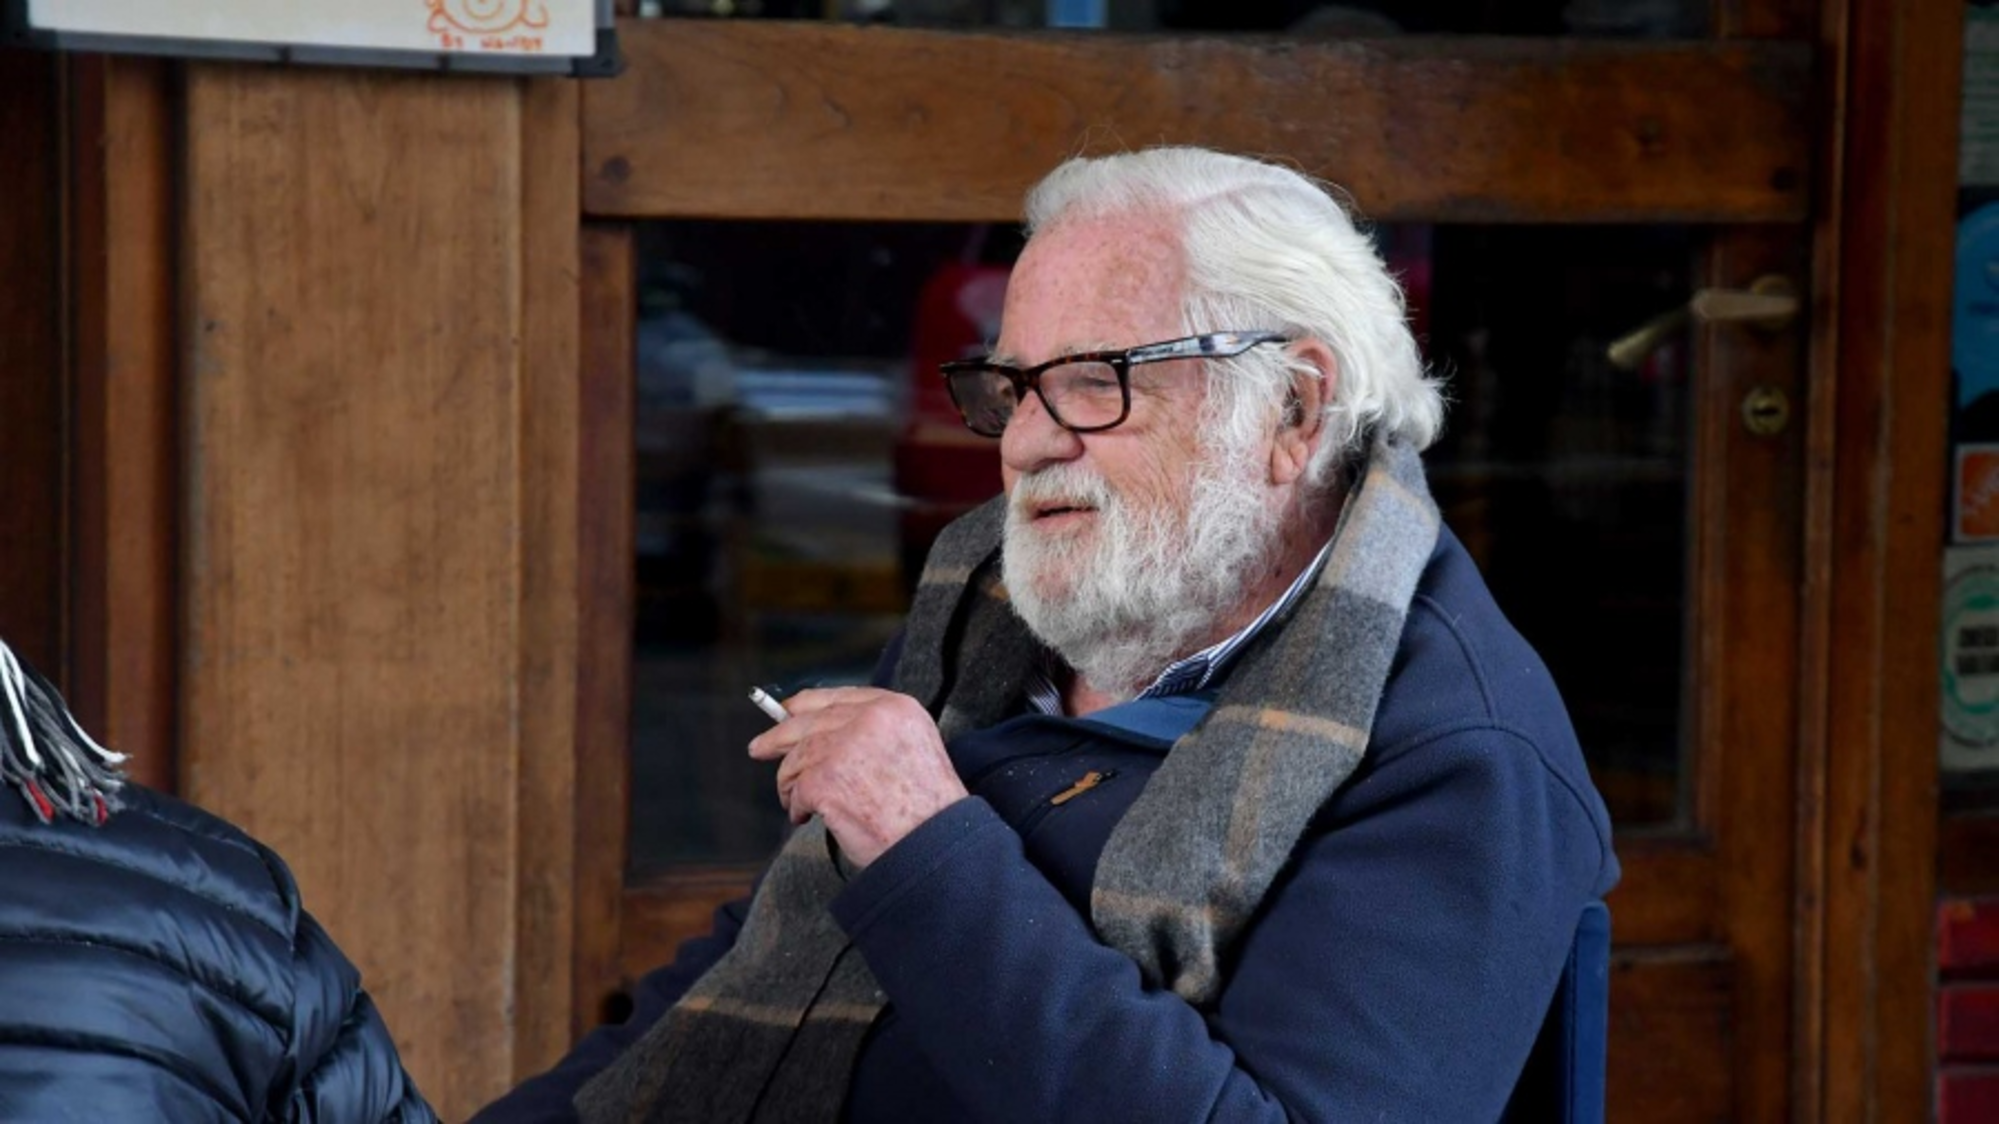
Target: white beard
x: 1144, y: 587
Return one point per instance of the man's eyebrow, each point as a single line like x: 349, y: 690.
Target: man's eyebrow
x: 1005, y: 359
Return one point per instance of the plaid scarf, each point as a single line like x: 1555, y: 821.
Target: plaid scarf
x: 772, y: 1032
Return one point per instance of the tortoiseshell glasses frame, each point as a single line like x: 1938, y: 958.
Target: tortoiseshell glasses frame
x: 1088, y: 392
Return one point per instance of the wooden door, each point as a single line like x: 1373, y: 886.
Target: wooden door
x: 1691, y: 158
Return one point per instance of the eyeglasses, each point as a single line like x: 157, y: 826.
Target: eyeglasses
x: 1085, y: 393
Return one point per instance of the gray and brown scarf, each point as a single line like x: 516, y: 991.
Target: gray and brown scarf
x: 771, y: 1033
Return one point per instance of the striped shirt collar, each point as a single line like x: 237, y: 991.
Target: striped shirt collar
x: 1192, y: 673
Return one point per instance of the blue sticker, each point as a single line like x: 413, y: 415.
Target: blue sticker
x: 1974, y: 351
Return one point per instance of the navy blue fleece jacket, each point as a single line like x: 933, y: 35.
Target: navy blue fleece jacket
x: 1398, y: 970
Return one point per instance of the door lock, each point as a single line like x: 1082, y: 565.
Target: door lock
x: 1766, y: 410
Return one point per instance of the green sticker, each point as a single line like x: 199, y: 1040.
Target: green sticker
x: 1971, y: 662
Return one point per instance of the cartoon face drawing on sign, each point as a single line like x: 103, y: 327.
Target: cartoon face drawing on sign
x: 486, y: 17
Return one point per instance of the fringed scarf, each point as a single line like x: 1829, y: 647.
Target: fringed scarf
x: 772, y: 1032
x: 45, y: 756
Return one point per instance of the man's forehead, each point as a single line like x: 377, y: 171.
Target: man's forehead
x: 1105, y: 282
x: 1134, y: 250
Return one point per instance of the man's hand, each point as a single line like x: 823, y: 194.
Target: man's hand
x: 869, y: 762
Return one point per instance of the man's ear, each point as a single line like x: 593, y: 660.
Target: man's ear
x: 1301, y: 425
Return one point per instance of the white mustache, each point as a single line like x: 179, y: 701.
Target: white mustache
x: 1059, y: 485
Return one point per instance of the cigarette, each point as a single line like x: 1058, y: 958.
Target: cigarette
x: 768, y: 705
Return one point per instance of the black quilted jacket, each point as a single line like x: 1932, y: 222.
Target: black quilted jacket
x: 160, y: 968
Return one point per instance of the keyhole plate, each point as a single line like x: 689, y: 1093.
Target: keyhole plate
x: 1766, y: 410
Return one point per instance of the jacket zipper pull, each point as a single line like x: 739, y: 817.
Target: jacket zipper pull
x: 1083, y: 784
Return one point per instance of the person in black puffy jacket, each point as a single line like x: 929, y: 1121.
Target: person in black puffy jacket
x: 155, y: 962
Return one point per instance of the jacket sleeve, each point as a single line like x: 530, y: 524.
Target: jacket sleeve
x: 549, y: 1098
x: 344, y: 1064
x: 1399, y: 970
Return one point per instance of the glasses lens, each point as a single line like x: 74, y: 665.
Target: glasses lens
x: 984, y: 397
x: 1083, y: 395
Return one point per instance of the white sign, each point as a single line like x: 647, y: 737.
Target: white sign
x: 1970, y: 655
x: 460, y: 32
x: 1978, y: 120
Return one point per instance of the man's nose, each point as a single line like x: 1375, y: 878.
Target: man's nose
x: 1032, y: 439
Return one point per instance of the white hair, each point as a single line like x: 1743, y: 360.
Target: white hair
x: 1267, y: 249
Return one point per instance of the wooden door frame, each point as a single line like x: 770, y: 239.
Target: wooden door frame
x: 1860, y: 898
x: 1716, y: 167
x: 606, y: 590
x: 835, y: 122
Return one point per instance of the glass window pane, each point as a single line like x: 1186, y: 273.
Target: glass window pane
x: 791, y: 473
x: 1567, y: 476
x: 797, y: 454
x: 1303, y: 19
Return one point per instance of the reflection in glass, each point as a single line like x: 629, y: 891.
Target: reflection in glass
x: 1566, y: 476
x: 791, y: 473
x: 797, y: 453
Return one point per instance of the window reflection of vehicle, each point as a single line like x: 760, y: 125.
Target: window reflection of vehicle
x: 941, y: 469
x: 683, y: 373
x: 773, y: 386
x: 763, y: 481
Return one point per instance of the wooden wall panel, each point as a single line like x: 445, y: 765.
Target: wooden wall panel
x: 1680, y: 898
x: 1672, y: 1036
x: 379, y: 580
x: 747, y: 119
x: 32, y: 417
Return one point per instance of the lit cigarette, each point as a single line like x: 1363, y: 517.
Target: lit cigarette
x: 768, y: 705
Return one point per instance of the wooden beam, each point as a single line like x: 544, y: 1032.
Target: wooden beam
x: 551, y: 499
x: 728, y: 119
x: 604, y: 685
x: 1881, y: 381
x: 1763, y: 19
x: 125, y: 469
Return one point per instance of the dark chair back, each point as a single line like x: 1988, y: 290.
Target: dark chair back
x: 1564, y: 1079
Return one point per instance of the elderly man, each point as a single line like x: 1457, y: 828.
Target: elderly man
x: 1212, y: 784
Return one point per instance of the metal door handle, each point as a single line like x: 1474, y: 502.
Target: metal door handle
x: 1769, y: 304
